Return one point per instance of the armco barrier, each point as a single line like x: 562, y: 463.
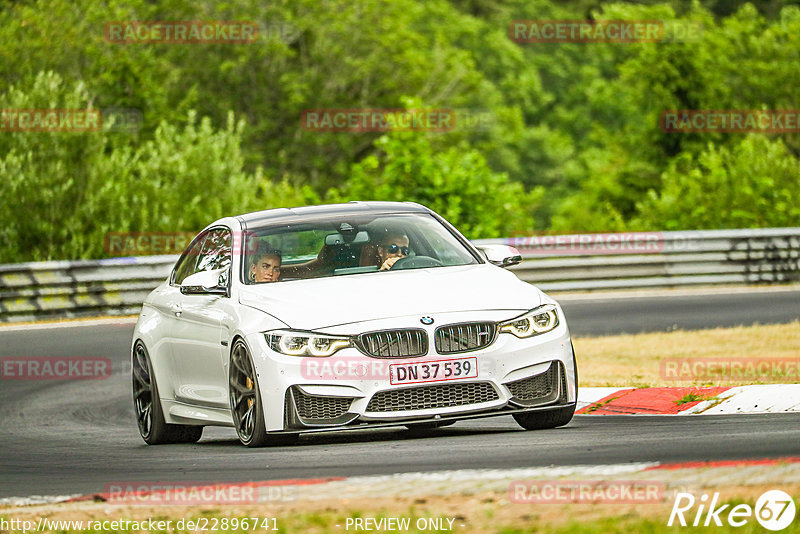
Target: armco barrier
x: 554, y: 263
x: 658, y: 259
x: 79, y: 288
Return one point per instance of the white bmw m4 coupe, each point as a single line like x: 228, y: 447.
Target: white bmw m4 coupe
x: 358, y: 315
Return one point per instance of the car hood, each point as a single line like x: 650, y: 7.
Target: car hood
x: 324, y: 302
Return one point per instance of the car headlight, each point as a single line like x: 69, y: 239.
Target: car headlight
x: 537, y: 321
x: 295, y: 343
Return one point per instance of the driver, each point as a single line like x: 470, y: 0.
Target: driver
x: 392, y: 247
x: 266, y: 267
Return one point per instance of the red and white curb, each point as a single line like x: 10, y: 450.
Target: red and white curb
x: 772, y: 398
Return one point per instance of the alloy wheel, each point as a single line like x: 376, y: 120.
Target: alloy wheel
x: 243, y: 392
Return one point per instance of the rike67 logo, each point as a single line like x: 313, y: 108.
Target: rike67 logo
x: 774, y: 510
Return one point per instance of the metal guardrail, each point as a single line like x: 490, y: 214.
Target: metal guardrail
x: 658, y: 259
x: 116, y: 286
x: 58, y: 289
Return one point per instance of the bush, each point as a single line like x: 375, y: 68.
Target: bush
x: 65, y: 191
x: 754, y: 184
x: 457, y: 183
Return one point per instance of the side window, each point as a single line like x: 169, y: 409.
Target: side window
x: 211, y: 251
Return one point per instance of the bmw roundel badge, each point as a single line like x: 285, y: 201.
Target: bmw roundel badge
x: 426, y: 320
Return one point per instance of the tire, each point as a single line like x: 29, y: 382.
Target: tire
x: 550, y: 418
x: 247, y: 410
x: 245, y: 398
x: 153, y: 427
x: 541, y: 420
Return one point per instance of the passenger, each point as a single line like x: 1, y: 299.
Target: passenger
x: 392, y: 248
x: 266, y: 267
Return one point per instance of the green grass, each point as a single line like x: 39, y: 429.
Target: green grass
x: 691, y: 397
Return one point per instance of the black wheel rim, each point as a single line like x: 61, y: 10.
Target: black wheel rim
x: 244, y: 402
x: 142, y: 390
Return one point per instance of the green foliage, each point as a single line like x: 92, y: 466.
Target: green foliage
x: 626, y: 152
x: 755, y: 183
x: 64, y: 191
x: 44, y: 175
x: 572, y: 142
x: 456, y: 183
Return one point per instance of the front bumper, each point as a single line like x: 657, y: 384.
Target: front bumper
x: 350, y: 390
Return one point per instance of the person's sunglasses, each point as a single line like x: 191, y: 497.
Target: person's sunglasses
x: 393, y: 249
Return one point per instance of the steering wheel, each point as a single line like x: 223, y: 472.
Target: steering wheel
x: 415, y: 262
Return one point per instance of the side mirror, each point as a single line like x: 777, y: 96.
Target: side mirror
x: 500, y: 255
x: 206, y: 283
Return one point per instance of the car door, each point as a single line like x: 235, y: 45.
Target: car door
x: 199, y: 357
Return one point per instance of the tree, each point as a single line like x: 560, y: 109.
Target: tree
x: 754, y: 184
x: 456, y: 183
x: 65, y: 191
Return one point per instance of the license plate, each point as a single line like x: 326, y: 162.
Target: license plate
x: 433, y: 371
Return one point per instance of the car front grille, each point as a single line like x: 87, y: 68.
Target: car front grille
x: 455, y: 338
x: 316, y: 407
x: 541, y: 386
x: 427, y: 397
x: 394, y: 343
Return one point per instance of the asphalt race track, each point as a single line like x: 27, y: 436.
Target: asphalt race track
x: 62, y: 438
x: 632, y: 315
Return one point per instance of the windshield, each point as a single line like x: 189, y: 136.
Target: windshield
x: 348, y: 245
